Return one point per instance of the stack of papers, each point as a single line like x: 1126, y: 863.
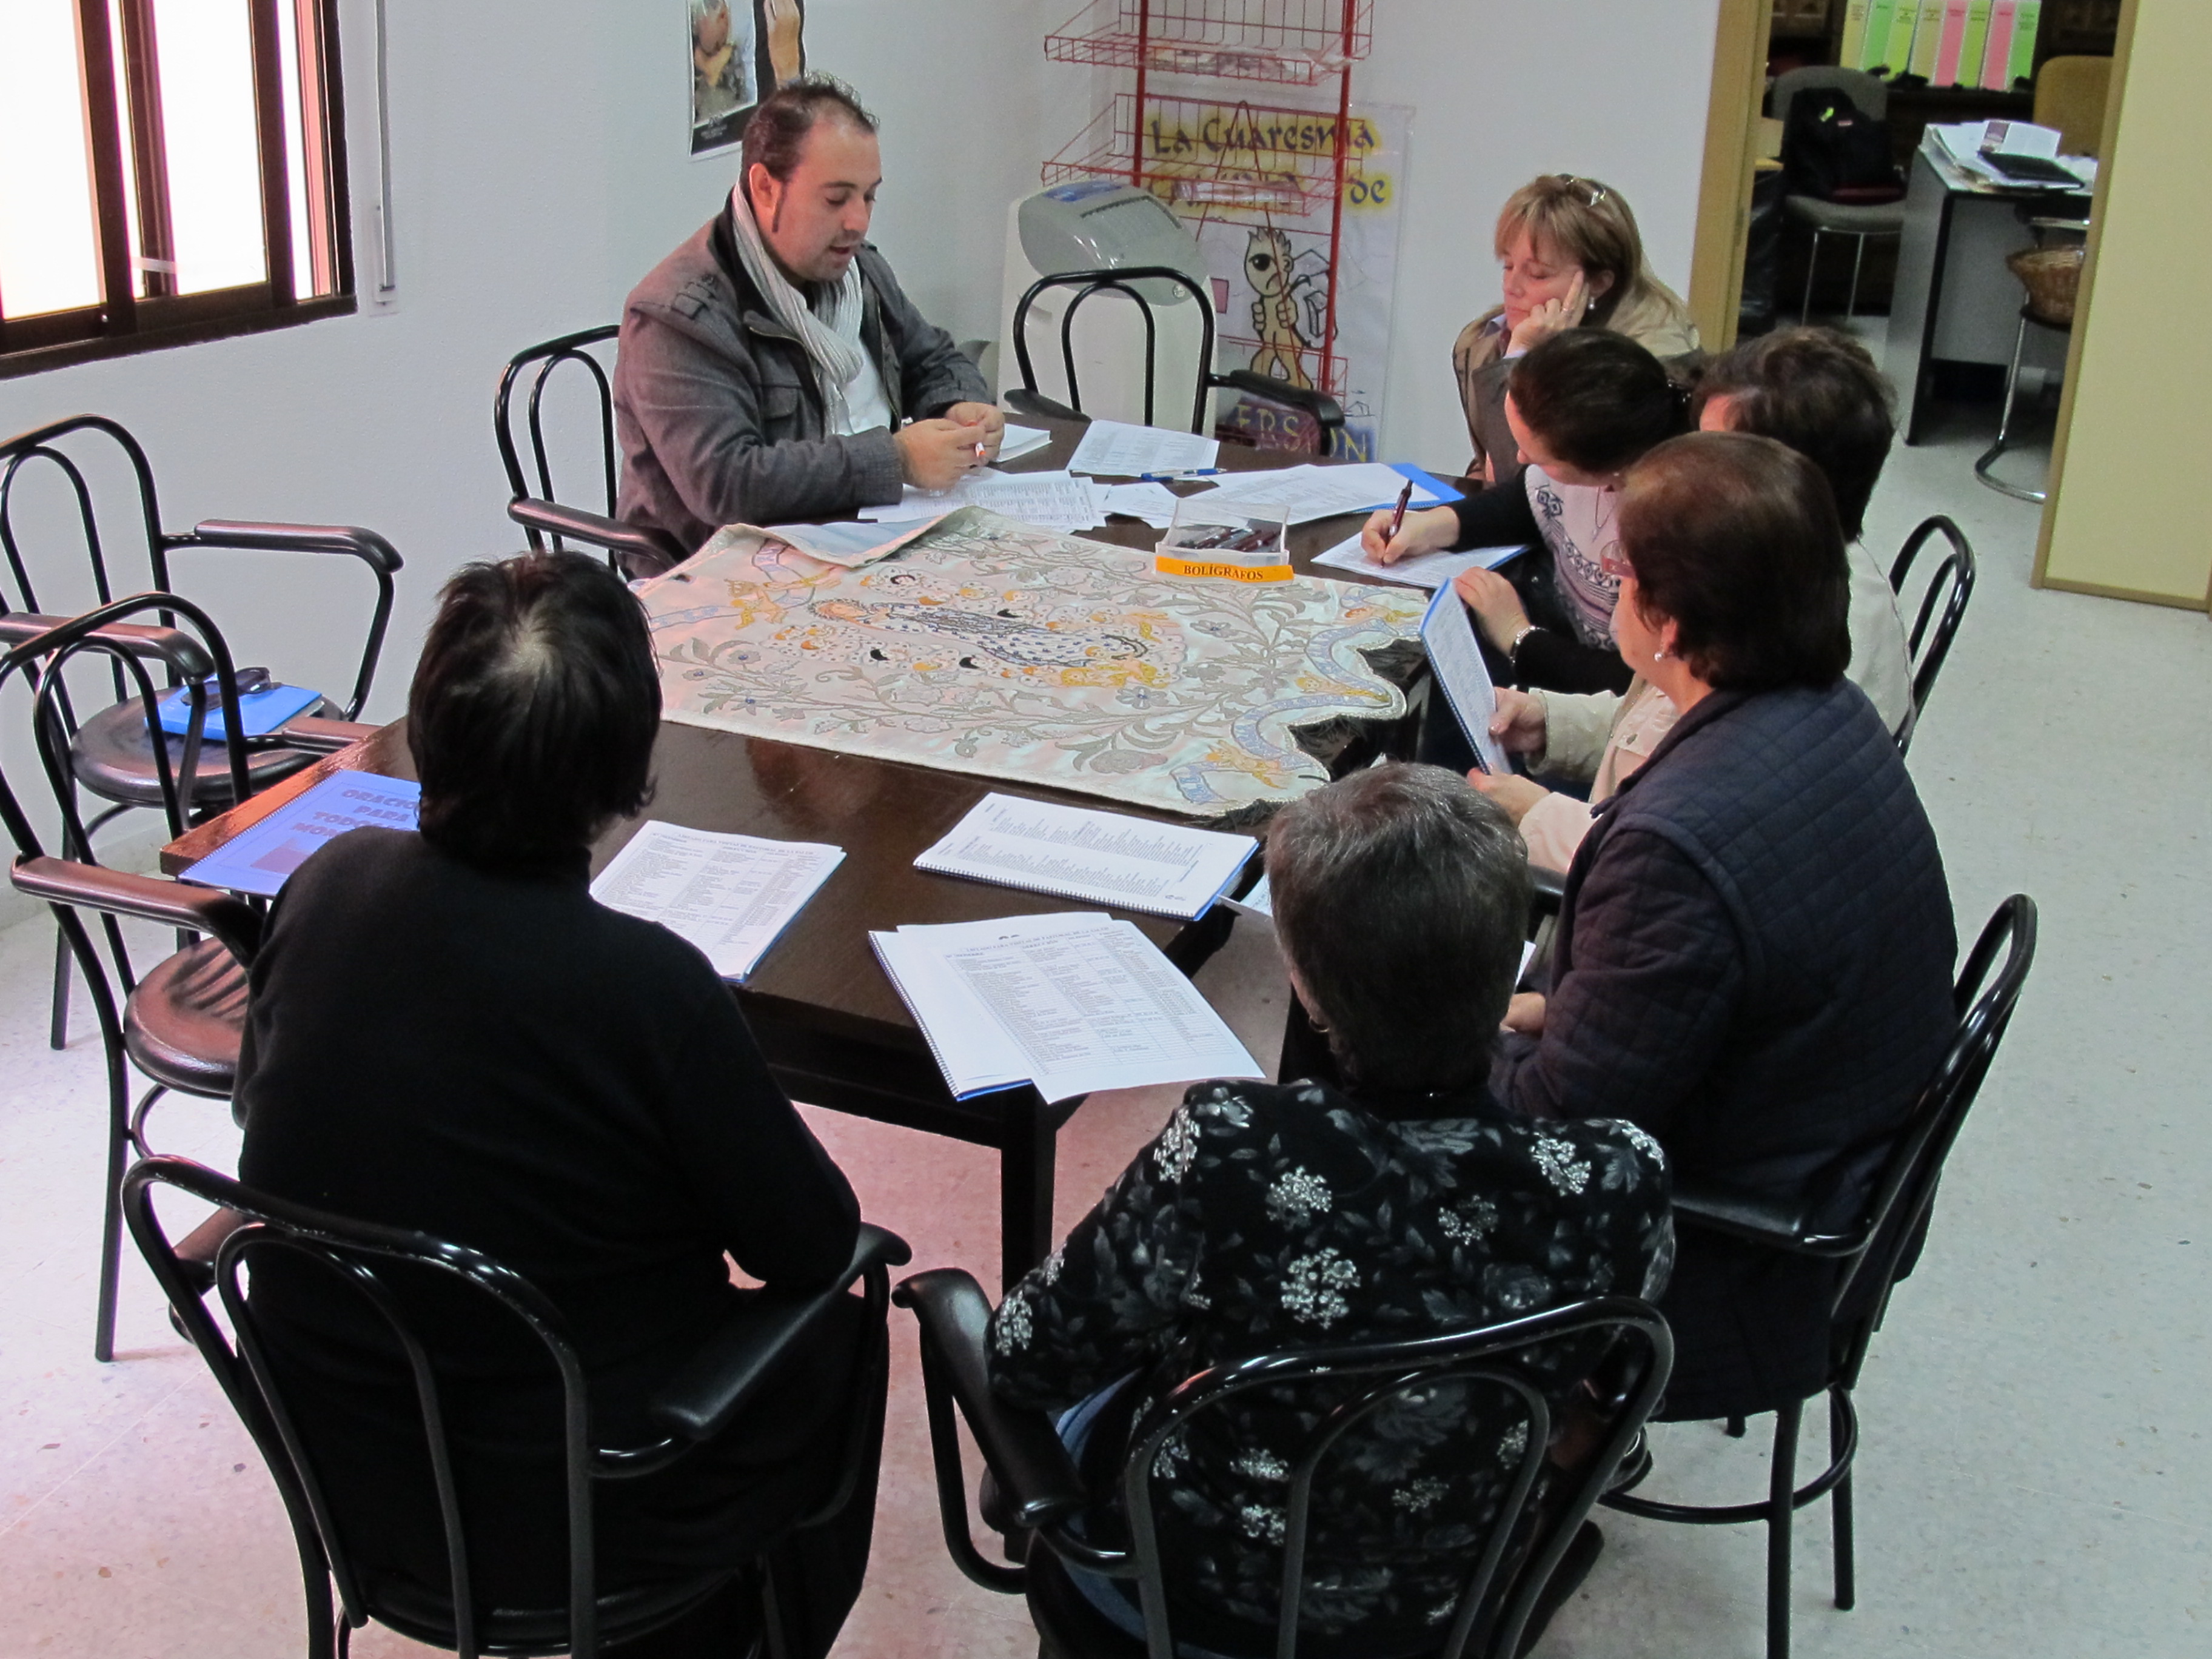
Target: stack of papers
x: 1101, y: 858
x: 1303, y: 494
x: 732, y: 896
x: 1051, y: 501
x: 1962, y: 144
x: 1456, y: 661
x: 1020, y: 441
x: 1155, y: 503
x: 1070, y: 1003
x: 1118, y: 450
x: 262, y: 858
x: 1421, y: 570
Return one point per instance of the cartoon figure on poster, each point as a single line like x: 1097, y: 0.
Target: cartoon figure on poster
x: 1289, y: 305
x: 1251, y: 184
x: 738, y: 47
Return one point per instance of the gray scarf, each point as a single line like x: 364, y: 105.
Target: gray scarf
x: 834, y: 346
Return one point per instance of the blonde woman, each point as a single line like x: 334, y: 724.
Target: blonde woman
x: 1572, y: 258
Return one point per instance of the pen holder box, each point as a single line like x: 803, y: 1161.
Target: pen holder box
x: 1247, y: 542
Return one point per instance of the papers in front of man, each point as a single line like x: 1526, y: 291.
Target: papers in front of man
x: 261, y: 858
x: 1260, y: 901
x: 1051, y: 501
x: 732, y: 896
x: 1071, y: 1002
x: 1299, y: 494
x: 1115, y: 449
x: 1100, y: 858
x: 1456, y: 661
x: 853, y: 545
x: 1420, y: 570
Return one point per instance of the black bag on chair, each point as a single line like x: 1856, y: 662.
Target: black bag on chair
x: 1832, y: 149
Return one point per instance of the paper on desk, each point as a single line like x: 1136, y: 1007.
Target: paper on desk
x: 1260, y: 901
x: 1071, y: 1003
x: 1456, y: 661
x: 1962, y: 141
x: 1053, y: 500
x: 1020, y: 441
x: 1155, y: 503
x: 732, y: 896
x: 1083, y: 852
x: 1119, y: 450
x: 1309, y: 492
x: 261, y: 860
x: 1421, y: 569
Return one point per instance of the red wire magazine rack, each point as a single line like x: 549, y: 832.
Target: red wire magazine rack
x: 1235, y: 160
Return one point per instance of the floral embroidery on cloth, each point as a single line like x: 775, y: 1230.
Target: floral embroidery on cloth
x: 994, y: 648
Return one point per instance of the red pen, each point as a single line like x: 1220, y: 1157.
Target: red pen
x: 1398, y: 515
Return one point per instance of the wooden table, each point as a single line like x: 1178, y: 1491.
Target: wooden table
x: 835, y: 1032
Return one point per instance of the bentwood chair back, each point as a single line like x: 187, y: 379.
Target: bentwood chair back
x: 389, y: 1273
x: 1874, y: 1253
x: 581, y: 509
x: 80, y: 520
x: 1327, y: 414
x: 179, y: 1024
x: 1509, y: 1552
x: 1949, y: 586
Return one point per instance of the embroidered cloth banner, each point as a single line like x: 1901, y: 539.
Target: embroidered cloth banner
x: 997, y: 648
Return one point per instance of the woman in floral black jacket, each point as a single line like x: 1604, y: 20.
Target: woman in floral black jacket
x: 1268, y: 1218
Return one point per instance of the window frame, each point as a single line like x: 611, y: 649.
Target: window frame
x: 125, y: 320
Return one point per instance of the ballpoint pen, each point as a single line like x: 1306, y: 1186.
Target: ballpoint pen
x: 1398, y: 513
x: 1170, y: 477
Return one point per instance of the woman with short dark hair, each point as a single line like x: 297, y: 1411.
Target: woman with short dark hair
x: 1753, y: 957
x: 1270, y: 1218
x: 447, y: 1034
x: 1583, y: 407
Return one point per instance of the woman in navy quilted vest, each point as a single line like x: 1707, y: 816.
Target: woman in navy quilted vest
x: 1755, y: 955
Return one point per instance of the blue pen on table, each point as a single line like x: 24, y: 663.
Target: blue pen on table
x: 1170, y: 477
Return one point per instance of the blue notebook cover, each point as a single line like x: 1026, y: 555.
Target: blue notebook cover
x: 1422, y: 480
x: 259, y: 712
x: 261, y: 860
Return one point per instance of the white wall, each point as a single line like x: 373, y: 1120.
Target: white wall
x: 539, y: 171
x: 1501, y: 91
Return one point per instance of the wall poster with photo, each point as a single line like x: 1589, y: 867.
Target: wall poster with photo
x: 739, y: 50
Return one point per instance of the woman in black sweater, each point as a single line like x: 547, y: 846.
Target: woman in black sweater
x: 448, y: 1034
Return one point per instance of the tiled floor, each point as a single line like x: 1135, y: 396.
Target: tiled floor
x: 2035, y: 1433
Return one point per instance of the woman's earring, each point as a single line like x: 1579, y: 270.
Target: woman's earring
x: 1658, y: 656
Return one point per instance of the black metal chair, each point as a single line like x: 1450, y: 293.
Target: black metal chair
x: 1874, y: 1253
x: 1040, y: 1497
x: 1328, y: 413
x: 1952, y: 583
x: 113, y: 751
x: 533, y: 502
x: 733, y: 1364
x: 179, y: 1024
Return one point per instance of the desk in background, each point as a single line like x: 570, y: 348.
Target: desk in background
x: 1954, y: 301
x: 835, y: 1032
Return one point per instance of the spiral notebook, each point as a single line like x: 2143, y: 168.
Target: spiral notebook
x: 1097, y: 857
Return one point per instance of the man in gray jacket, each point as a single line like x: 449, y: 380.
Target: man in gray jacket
x: 765, y: 367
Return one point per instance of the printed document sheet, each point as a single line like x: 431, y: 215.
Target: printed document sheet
x: 1303, y: 494
x: 1071, y: 1003
x: 1101, y: 858
x: 1116, y: 449
x: 1456, y: 661
x: 1020, y: 441
x: 730, y: 895
x: 262, y: 858
x: 1430, y: 570
x: 1053, y: 501
x: 853, y: 545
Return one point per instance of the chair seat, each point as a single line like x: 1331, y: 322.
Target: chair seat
x: 182, y: 1025
x: 1886, y: 219
x: 113, y: 756
x: 426, y: 1615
